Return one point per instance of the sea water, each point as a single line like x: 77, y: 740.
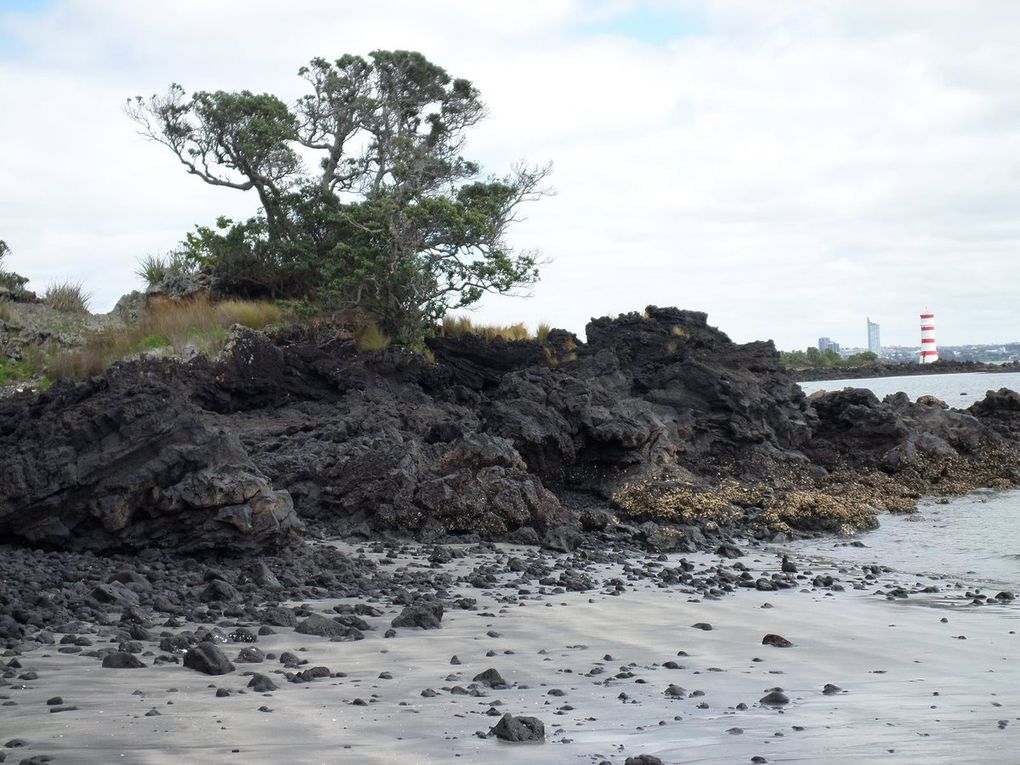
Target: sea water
x: 957, y: 390
x: 974, y: 539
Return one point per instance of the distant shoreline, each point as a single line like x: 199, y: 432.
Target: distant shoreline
x: 898, y: 370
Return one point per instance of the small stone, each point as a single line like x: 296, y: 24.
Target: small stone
x: 490, y: 678
x: 261, y: 684
x: 774, y: 698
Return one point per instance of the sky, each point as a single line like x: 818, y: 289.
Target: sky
x: 790, y: 168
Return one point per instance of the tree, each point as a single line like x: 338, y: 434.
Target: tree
x: 394, y: 220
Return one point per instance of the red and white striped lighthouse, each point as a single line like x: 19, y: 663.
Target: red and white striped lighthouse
x: 929, y: 352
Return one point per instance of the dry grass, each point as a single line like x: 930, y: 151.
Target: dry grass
x: 197, y: 323
x: 5, y: 311
x: 371, y: 338
x: 67, y: 297
x: 457, y: 326
x: 542, y: 333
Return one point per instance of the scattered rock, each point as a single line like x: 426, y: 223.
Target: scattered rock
x: 517, y: 729
x: 206, y: 657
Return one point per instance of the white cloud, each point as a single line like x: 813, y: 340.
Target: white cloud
x: 789, y: 168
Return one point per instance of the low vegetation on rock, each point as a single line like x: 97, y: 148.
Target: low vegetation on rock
x: 182, y: 327
x: 67, y: 297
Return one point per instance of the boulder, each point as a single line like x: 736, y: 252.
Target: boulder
x: 425, y: 614
x: 206, y: 657
x: 122, y: 660
x: 316, y: 624
x: 518, y: 729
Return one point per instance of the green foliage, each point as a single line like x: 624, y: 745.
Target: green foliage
x: 152, y: 342
x: 303, y: 308
x: 67, y: 297
x: 394, y: 222
x: 860, y: 359
x: 10, y: 281
x: 812, y: 358
x: 12, y: 370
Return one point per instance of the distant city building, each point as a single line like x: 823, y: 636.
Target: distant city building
x: 874, y: 339
x: 826, y: 344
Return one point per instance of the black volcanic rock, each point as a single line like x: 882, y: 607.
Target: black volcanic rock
x: 1000, y: 410
x: 127, y: 461
x: 516, y: 441
x: 206, y: 657
x: 517, y: 729
x: 426, y: 614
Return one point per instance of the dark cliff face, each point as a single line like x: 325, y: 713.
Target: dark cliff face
x: 209, y: 454
x: 126, y: 461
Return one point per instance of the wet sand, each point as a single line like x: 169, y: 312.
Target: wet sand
x: 913, y: 689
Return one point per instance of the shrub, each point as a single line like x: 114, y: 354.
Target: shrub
x: 371, y: 338
x: 67, y: 297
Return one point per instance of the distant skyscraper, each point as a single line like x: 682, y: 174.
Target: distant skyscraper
x: 827, y: 344
x: 874, y: 340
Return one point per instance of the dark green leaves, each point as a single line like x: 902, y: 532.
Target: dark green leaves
x: 394, y: 220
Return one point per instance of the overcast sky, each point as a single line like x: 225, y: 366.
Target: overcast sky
x: 788, y: 167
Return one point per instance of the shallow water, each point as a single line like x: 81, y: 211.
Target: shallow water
x: 973, y: 539
x: 958, y: 390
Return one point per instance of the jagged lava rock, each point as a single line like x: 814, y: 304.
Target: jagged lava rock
x: 127, y: 461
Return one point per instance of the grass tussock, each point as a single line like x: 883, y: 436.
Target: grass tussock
x: 196, y: 324
x: 371, y: 338
x: 542, y: 333
x: 154, y: 269
x: 457, y: 326
x: 67, y: 297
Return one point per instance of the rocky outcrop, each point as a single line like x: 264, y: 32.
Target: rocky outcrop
x: 649, y: 390
x: 125, y: 461
x: 1000, y: 410
x: 855, y: 428
x: 684, y: 432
